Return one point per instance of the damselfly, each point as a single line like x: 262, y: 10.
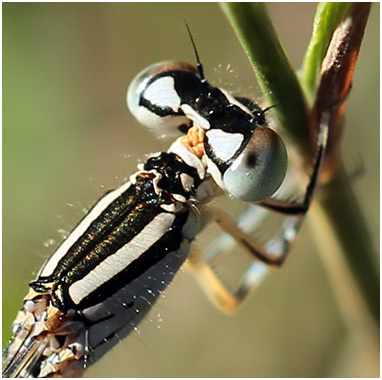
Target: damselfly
x: 111, y: 269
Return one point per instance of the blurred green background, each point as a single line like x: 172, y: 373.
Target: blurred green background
x: 67, y: 137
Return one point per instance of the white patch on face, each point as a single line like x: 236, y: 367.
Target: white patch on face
x: 162, y: 93
x: 224, y: 144
x: 191, y: 114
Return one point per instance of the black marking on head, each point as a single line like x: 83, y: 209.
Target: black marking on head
x: 234, y: 120
x: 161, y: 111
x: 252, y: 106
x: 258, y: 113
x: 187, y: 85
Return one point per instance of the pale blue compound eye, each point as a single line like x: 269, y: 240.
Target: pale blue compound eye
x: 154, y: 100
x: 260, y: 169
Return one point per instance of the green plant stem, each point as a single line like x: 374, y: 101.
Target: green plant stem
x: 276, y: 77
x: 341, y: 211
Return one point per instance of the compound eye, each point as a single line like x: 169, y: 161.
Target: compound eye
x: 153, y: 99
x: 260, y: 169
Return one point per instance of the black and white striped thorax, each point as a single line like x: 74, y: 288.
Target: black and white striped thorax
x: 114, y: 265
x: 127, y: 232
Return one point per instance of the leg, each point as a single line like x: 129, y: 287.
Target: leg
x: 275, y: 252
x: 225, y: 300
x: 210, y: 283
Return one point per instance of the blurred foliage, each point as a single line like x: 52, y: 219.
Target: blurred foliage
x: 67, y: 137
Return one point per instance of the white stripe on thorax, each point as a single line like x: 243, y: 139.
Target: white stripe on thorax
x: 96, y: 211
x: 119, y: 260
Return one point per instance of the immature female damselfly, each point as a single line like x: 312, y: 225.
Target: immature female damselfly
x: 110, y: 270
x: 201, y: 150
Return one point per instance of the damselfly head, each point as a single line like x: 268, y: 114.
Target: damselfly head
x: 243, y: 156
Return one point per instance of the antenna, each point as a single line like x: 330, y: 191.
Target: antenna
x: 268, y: 108
x: 199, y: 65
